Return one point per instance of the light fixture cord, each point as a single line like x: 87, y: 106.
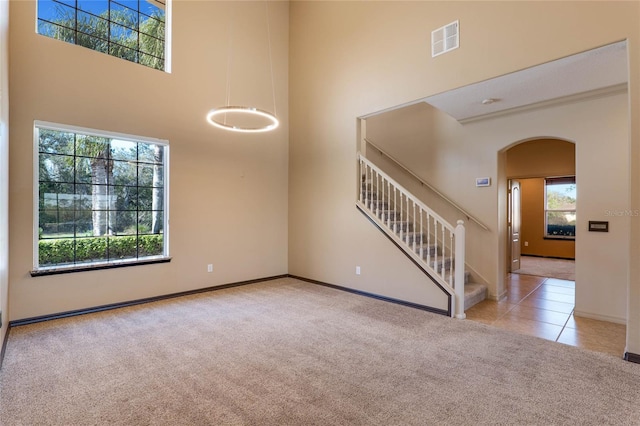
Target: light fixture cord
x: 273, y: 88
x: 229, y: 57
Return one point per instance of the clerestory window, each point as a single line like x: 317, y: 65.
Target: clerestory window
x: 135, y: 30
x: 101, y: 199
x: 560, y: 207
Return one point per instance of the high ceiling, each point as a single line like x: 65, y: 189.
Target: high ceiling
x: 593, y: 70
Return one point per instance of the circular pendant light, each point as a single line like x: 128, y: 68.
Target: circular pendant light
x: 246, y: 119
x: 272, y: 121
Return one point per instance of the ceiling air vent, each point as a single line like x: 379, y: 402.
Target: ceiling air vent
x: 445, y: 39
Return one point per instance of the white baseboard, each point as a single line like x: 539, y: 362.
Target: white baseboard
x: 497, y: 297
x: 599, y: 317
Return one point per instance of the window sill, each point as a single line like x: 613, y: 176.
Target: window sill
x: 96, y: 267
x: 560, y: 238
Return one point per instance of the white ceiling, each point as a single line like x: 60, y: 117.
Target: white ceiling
x: 593, y: 70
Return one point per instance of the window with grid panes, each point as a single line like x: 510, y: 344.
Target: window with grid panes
x: 101, y: 198
x: 134, y: 30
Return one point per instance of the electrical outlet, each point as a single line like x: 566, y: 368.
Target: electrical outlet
x: 210, y: 267
x: 526, y: 243
x: 357, y: 270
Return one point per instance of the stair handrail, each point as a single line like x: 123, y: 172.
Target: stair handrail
x: 401, y: 188
x: 468, y: 215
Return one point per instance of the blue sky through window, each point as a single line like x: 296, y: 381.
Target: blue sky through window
x: 568, y: 190
x: 50, y: 9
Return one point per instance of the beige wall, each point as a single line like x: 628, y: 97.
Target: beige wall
x: 530, y: 162
x: 228, y: 191
x: 541, y: 158
x: 351, y: 59
x: 4, y: 167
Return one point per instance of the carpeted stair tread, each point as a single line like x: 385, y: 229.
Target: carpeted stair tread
x: 474, y: 293
x: 428, y: 249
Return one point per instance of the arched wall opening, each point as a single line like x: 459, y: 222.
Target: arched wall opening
x: 541, y: 208
x: 533, y: 163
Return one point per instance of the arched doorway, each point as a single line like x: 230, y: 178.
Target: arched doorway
x: 541, y: 204
x: 534, y: 304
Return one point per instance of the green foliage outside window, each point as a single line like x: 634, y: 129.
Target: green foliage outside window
x: 560, y: 207
x: 63, y: 251
x: 133, y: 30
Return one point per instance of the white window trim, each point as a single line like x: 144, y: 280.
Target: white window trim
x: 36, y: 211
x: 545, y: 233
x: 168, y: 23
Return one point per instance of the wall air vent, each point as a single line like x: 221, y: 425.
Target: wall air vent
x: 445, y: 39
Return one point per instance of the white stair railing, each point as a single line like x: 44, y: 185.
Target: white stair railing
x: 430, y: 240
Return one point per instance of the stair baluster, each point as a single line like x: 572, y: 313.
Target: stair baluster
x: 378, y: 201
x: 401, y: 217
x: 442, y: 268
x: 415, y: 236
x: 450, y: 273
x: 436, y: 254
x: 366, y: 186
x: 365, y: 189
x: 383, y: 215
x: 428, y: 239
x: 407, y: 220
x: 389, y: 202
x: 421, y: 237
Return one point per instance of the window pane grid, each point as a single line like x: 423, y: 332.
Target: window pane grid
x: 107, y: 26
x: 97, y: 216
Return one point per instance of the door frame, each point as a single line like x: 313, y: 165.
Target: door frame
x: 510, y: 220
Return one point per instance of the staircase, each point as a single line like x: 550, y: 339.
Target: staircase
x: 430, y: 241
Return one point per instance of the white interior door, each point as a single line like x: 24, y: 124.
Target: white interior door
x: 514, y: 225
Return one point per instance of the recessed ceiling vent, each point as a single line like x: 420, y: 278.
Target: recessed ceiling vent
x: 445, y: 39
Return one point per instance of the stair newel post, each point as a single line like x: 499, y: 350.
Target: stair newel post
x: 459, y: 270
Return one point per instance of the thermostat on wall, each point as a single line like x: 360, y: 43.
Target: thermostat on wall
x: 484, y: 181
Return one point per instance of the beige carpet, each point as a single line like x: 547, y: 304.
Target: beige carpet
x: 286, y: 352
x: 547, y: 267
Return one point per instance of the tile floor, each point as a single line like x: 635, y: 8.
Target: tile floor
x: 543, y: 307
